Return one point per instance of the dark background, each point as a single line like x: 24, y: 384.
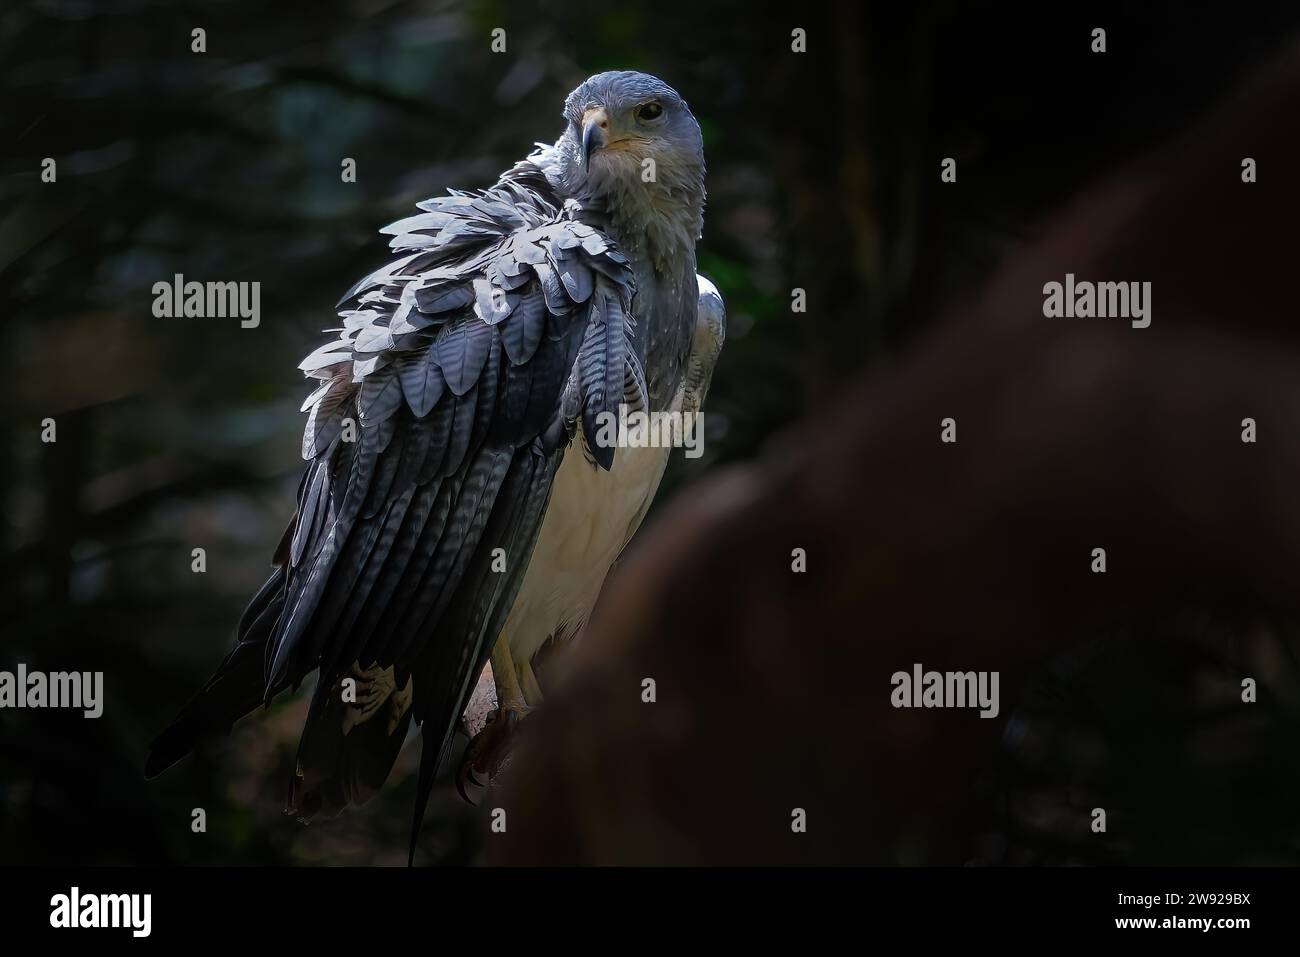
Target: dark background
x: 174, y: 434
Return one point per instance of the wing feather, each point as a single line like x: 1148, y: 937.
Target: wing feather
x: 462, y: 364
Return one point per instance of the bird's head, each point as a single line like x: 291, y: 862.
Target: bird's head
x: 632, y: 143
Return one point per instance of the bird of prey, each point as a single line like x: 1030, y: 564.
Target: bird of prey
x: 457, y: 503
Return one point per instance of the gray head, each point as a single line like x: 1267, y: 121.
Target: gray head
x: 632, y: 146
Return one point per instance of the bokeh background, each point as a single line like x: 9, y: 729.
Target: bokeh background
x: 175, y: 434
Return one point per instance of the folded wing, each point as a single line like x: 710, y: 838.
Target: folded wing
x: 443, y: 410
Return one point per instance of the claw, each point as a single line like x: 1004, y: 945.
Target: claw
x: 489, y: 752
x: 460, y: 788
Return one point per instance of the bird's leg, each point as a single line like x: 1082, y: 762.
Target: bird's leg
x: 510, y: 693
x: 488, y: 752
x: 528, y: 682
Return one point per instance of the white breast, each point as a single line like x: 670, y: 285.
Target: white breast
x: 592, y: 515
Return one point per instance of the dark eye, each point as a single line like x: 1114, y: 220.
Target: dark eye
x: 649, y: 111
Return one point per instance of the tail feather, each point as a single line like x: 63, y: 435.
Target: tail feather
x: 334, y: 769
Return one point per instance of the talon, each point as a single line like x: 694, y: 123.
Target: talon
x: 489, y: 752
x: 460, y: 789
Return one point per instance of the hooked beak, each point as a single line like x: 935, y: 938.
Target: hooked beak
x: 595, y: 132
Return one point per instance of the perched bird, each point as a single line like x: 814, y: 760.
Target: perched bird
x: 444, y: 516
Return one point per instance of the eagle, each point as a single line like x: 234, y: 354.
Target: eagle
x: 463, y: 499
